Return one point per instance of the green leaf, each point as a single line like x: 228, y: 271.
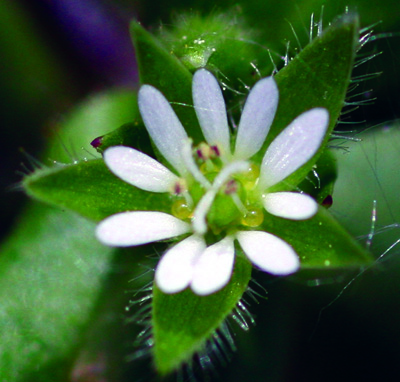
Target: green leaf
x: 319, y: 182
x: 90, y: 189
x: 321, y: 242
x: 317, y: 77
x: 164, y: 71
x: 51, y: 273
x: 224, y: 44
x: 52, y: 268
x: 183, y: 322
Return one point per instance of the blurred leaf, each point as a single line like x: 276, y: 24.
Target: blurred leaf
x: 90, y: 189
x: 51, y: 272
x: 183, y: 322
x: 368, y: 172
x: 97, y: 115
x: 31, y: 73
x: 52, y: 268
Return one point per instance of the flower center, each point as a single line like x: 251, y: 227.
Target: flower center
x: 216, y: 196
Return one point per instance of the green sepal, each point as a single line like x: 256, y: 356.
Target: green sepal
x: 161, y: 69
x: 183, y: 322
x: 94, y: 117
x: 321, y: 242
x: 317, y: 77
x: 132, y: 134
x: 90, y: 189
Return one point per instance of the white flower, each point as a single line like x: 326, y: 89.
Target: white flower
x: 191, y: 263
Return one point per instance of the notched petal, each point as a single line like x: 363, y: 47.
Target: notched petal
x: 214, y: 267
x: 174, y: 271
x: 210, y: 108
x: 139, y: 227
x: 290, y: 205
x: 138, y: 169
x: 268, y: 252
x: 294, y: 146
x: 258, y: 114
x: 163, y: 125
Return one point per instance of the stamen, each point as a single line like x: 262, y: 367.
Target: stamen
x: 230, y: 169
x: 239, y: 204
x: 215, y: 150
x: 204, y: 151
x: 204, y: 205
x: 192, y: 167
x: 180, y: 187
x: 200, y: 154
x: 200, y: 213
x: 188, y: 198
x: 231, y: 187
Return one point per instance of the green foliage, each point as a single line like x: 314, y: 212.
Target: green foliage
x: 317, y: 77
x: 52, y: 269
x: 90, y: 189
x: 164, y: 71
x: 51, y: 274
x: 214, y: 42
x: 321, y: 242
x: 183, y: 322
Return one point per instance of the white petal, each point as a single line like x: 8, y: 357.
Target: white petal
x: 163, y: 125
x: 210, y: 108
x: 175, y: 269
x: 290, y: 205
x: 269, y: 252
x: 139, y: 169
x: 258, y: 114
x: 139, y: 227
x: 294, y: 146
x: 213, y: 269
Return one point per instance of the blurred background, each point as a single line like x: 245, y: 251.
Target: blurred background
x: 57, y: 54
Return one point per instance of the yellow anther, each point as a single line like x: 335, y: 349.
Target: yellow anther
x: 253, y: 218
x: 181, y: 210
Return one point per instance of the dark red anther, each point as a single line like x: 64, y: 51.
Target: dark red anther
x: 215, y: 149
x: 327, y: 202
x: 200, y: 154
x: 96, y: 143
x: 177, y: 189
